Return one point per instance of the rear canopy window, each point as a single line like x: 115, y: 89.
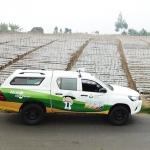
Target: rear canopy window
x: 26, y: 81
x: 67, y: 83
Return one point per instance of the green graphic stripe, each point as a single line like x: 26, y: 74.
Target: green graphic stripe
x: 12, y: 95
x: 28, y: 95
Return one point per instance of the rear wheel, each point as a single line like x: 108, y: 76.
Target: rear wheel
x: 32, y: 114
x: 119, y: 115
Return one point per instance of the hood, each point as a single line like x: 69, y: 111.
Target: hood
x: 124, y: 90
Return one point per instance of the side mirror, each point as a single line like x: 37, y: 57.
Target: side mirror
x: 102, y: 90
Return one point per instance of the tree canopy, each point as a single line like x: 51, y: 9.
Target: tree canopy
x: 56, y: 29
x: 3, y: 27
x: 68, y: 30
x: 13, y: 27
x: 143, y: 32
x: 120, y: 24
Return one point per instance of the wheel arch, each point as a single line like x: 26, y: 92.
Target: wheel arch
x: 120, y: 104
x: 33, y: 102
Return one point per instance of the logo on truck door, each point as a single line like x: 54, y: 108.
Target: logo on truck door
x: 19, y: 94
x: 68, y: 100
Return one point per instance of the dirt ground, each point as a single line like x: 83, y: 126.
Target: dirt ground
x: 145, y: 101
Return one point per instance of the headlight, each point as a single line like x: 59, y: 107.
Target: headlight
x: 134, y: 98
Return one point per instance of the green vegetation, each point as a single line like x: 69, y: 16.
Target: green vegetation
x: 121, y: 26
x: 97, y: 32
x: 68, y: 30
x: 14, y: 27
x: 1, y: 110
x: 60, y: 31
x: 56, y: 29
x: 145, y: 109
x: 3, y: 27
x: 11, y: 27
x: 143, y: 32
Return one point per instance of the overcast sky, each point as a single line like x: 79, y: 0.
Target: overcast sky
x: 78, y: 15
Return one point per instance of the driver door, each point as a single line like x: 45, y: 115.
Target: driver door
x: 93, y: 97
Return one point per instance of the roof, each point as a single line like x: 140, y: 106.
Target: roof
x: 61, y: 73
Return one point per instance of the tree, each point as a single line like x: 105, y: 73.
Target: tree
x: 148, y: 33
x: 66, y: 30
x: 69, y: 30
x: 143, y: 32
x: 97, y: 32
x: 120, y: 24
x: 56, y: 30
x: 132, y: 32
x: 60, y: 30
x: 125, y: 25
x: 3, y: 27
x: 124, y: 33
x: 14, y: 27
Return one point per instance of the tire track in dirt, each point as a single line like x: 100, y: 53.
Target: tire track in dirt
x: 131, y: 82
x: 19, y: 57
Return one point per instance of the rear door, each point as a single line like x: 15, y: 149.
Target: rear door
x: 64, y: 93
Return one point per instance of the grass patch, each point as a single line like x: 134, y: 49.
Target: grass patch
x: 1, y: 110
x: 4, y: 111
x: 145, y: 109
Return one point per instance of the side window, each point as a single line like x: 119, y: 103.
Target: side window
x: 67, y: 83
x: 90, y: 86
x: 26, y: 81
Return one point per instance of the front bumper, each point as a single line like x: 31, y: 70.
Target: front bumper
x: 137, y: 107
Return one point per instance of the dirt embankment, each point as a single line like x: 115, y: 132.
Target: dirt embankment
x: 131, y: 82
x: 76, y: 55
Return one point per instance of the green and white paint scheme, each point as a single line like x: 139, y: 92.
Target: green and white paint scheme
x: 65, y: 91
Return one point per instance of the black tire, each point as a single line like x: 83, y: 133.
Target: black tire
x: 118, y: 115
x: 32, y: 114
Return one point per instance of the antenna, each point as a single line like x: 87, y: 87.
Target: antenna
x: 79, y: 74
x: 80, y: 70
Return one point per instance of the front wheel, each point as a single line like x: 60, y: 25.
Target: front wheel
x: 32, y: 114
x: 118, y: 115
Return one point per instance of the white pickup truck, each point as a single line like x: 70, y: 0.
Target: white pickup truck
x: 33, y: 93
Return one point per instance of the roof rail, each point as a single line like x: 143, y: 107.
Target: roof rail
x: 32, y: 69
x: 32, y: 72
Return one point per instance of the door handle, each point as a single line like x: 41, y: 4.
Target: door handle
x: 58, y: 94
x: 84, y: 95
